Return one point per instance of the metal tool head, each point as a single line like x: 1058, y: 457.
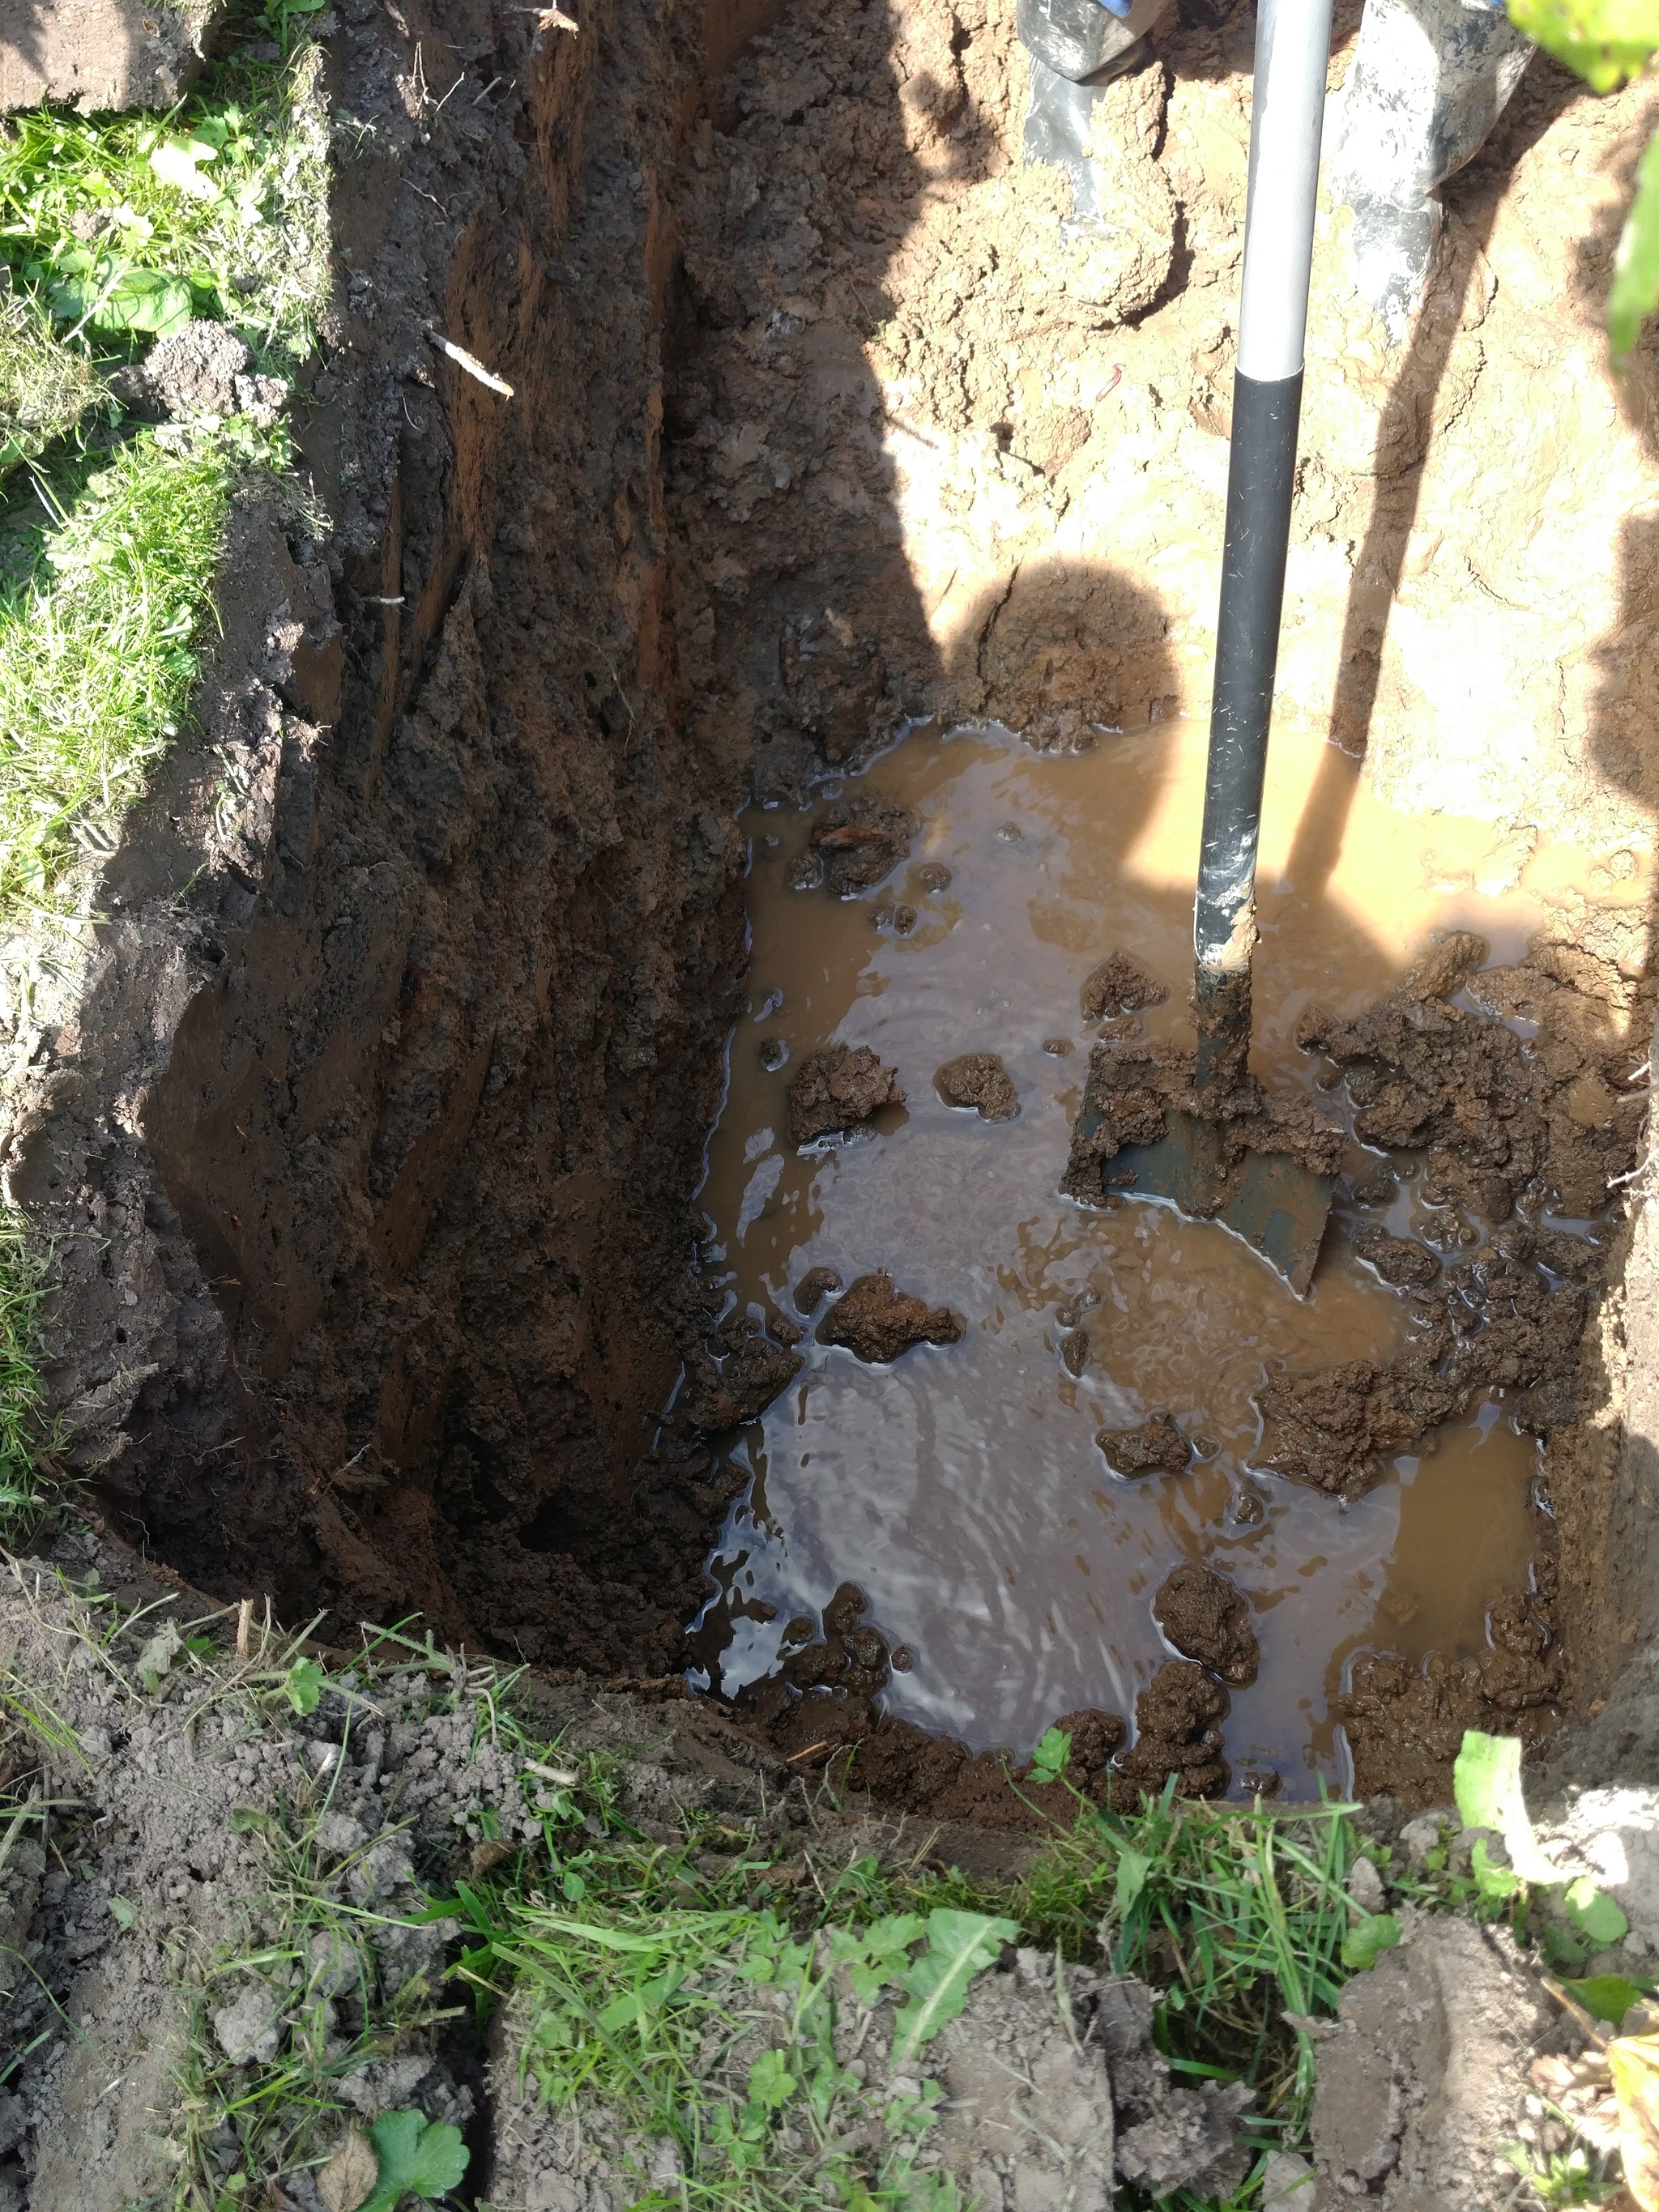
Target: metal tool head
x: 1276, y: 1204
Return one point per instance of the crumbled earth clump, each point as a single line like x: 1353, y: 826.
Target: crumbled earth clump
x: 1401, y: 1263
x: 1406, y: 1722
x: 880, y: 1323
x: 1177, y: 1732
x: 202, y: 369
x: 837, y: 1090
x: 1120, y: 986
x: 1207, y: 1619
x: 733, y: 1376
x: 1495, y: 1116
x: 859, y: 841
x: 1131, y: 1088
x: 814, y: 1287
x: 1503, y: 1129
x: 1156, y: 1447
x: 979, y: 1079
x: 1409, y: 2117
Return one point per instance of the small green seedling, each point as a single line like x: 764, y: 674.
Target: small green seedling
x: 1369, y: 1940
x: 1052, y: 1756
x: 416, y: 2157
x: 304, y: 1685
x: 1487, y: 1782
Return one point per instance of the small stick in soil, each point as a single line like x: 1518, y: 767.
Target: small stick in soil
x: 244, y: 1625
x: 811, y: 1751
x: 1596, y: 2033
x: 470, y: 363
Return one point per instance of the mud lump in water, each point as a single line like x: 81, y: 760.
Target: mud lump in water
x: 838, y: 1091
x: 1207, y: 1619
x: 979, y: 1079
x: 1156, y: 1447
x: 878, y: 1323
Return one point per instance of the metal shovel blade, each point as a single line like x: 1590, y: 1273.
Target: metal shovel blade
x: 1275, y: 1204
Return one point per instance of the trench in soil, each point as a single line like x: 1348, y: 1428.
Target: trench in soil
x: 373, y: 1155
x: 960, y: 1488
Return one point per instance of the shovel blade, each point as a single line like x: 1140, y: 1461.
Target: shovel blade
x: 1276, y: 1204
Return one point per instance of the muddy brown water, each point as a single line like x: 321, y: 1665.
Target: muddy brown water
x: 962, y: 1488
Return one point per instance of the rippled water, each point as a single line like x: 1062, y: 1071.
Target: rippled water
x: 962, y: 1487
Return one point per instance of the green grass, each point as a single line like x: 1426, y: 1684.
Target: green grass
x: 25, y: 1497
x: 98, y: 653
x: 127, y: 226
x: 44, y: 387
x: 633, y: 1970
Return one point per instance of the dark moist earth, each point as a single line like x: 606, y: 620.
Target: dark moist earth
x: 1498, y: 1132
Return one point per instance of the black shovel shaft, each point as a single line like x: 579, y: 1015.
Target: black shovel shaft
x: 1260, y: 481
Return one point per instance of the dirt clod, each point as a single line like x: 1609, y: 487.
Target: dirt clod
x: 1097, y: 1739
x: 814, y: 1287
x: 1398, y: 1260
x: 1178, y: 1732
x: 878, y: 1323
x: 733, y: 1377
x: 1120, y: 986
x: 861, y: 840
x: 1419, y: 2119
x: 202, y: 369
x: 1156, y: 1447
x: 979, y: 1079
x: 837, y: 1090
x: 1207, y: 1619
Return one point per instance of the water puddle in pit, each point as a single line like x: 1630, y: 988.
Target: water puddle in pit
x: 961, y: 1488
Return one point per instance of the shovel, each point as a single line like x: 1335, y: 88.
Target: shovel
x: 1275, y: 1203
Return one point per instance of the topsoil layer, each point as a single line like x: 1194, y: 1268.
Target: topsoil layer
x: 367, y: 1121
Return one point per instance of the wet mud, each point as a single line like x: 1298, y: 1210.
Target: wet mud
x: 1132, y: 1438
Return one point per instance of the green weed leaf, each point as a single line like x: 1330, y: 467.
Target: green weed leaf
x: 1132, y: 1869
x: 178, y: 162
x: 111, y: 295
x: 1635, y: 292
x: 1604, y: 41
x: 1593, y: 1913
x: 1493, y: 1882
x: 417, y: 2158
x: 1486, y: 1780
x: 959, y: 1946
x: 771, y: 2082
x: 1606, y: 1997
x: 305, y: 1685
x: 1367, y: 1941
x: 1052, y: 1756
x: 880, y: 1955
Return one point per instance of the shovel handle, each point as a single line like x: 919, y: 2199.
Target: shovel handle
x: 1292, y: 47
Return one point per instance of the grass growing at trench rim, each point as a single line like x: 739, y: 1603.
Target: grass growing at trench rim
x: 25, y: 1498
x: 117, y: 229
x: 633, y: 1967
x: 127, y: 226
x: 99, y: 651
